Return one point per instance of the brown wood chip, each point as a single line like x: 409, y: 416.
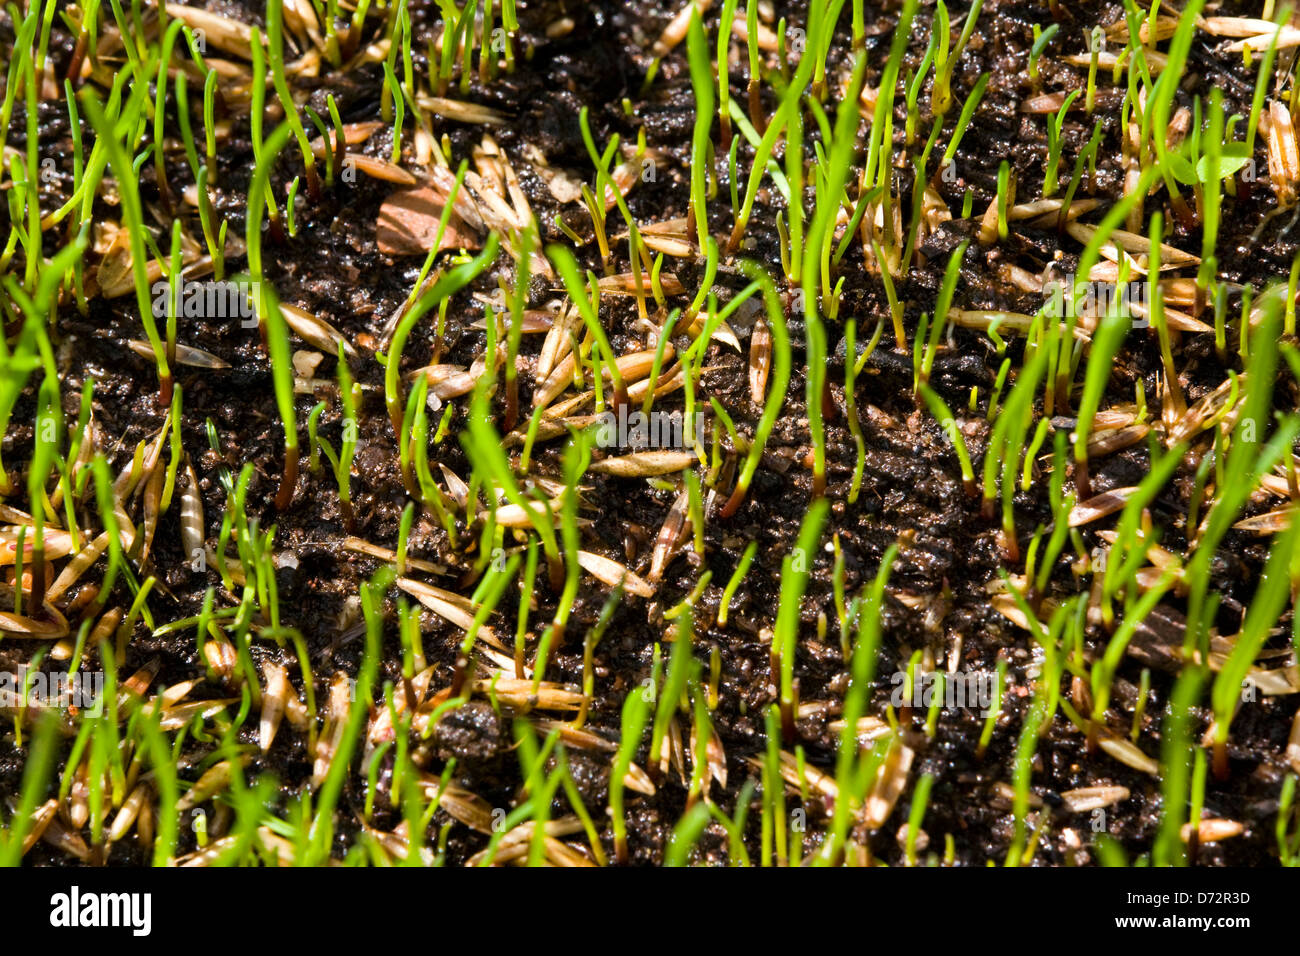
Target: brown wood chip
x: 408, y: 224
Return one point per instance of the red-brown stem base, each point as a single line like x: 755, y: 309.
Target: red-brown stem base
x: 288, y: 481
x: 1220, y: 762
x: 756, y: 115
x: 512, y: 404
x: 1082, y: 481
x: 733, y: 503
x: 38, y: 583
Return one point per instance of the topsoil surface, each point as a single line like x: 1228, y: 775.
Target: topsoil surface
x: 911, y: 490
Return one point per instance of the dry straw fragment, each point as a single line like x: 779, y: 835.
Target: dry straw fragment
x: 675, y: 32
x: 760, y: 361
x: 462, y: 112
x: 316, y: 331
x: 1272, y: 522
x: 1212, y: 830
x: 1283, y: 153
x: 1087, y: 799
x: 185, y: 355
x: 226, y: 34
x: 1287, y: 37
x: 1128, y: 754
x: 1100, y: 506
x: 644, y: 464
x: 450, y: 606
x: 274, y: 700
x: 1134, y: 244
x: 889, y: 785
x: 613, y: 574
x: 409, y: 220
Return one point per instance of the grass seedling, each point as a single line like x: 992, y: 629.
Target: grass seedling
x: 183, y: 120
x: 945, y: 63
x: 589, y: 643
x: 695, y: 509
x: 995, y: 709
x: 1103, y: 670
x: 793, y: 236
x: 1062, y: 505
x: 210, y: 118
x: 341, y: 462
x: 1005, y: 199
x: 1096, y: 42
x: 967, y: 113
x: 1036, y: 717
x: 1087, y: 155
x: 817, y: 399
x: 416, y: 454
x: 215, y: 238
x: 774, y: 819
x: 486, y: 598
x: 794, y: 579
x: 275, y: 58
x: 820, y: 235
x: 1041, y: 39
x: 942, y: 305
x: 518, y: 301
x: 588, y: 308
x: 271, y: 319
x: 895, y: 305
x: 702, y: 84
x: 446, y: 286
x: 159, y: 114
x: 876, y: 173
x: 1005, y: 444
x: 255, y: 119
x: 1288, y: 845
x: 940, y: 410
x: 1245, y: 462
x: 1262, y: 80
x: 916, y: 814
x: 852, y: 773
x: 133, y: 216
x: 1054, y: 143
x: 1106, y: 342
x: 331, y: 789
x: 36, y: 776
x: 1176, y: 756
x: 681, y: 669
x: 738, y: 576
x: 665, y: 336
x: 852, y: 366
x: 784, y: 114
x: 725, y: 21
x: 1140, y: 707
x: 635, y: 711
x: 1155, y: 119
x: 1265, y: 610
x: 913, y: 86
x: 483, y: 446
x: 776, y: 388
x: 577, y: 458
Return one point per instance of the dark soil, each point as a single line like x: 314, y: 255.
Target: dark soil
x: 911, y: 493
